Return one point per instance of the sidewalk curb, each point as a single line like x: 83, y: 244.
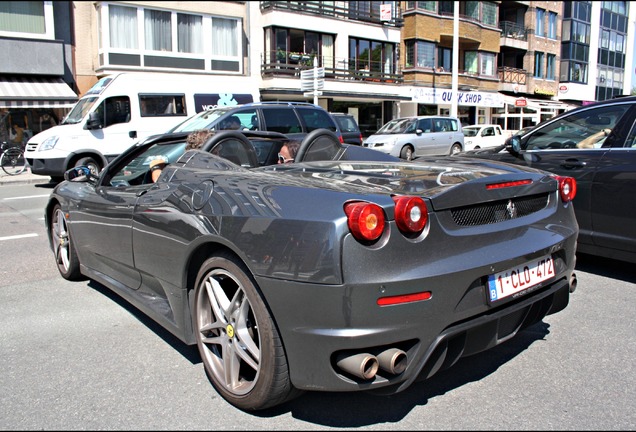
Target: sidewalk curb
x: 25, y: 178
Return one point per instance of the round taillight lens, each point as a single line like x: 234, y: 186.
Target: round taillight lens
x: 567, y: 188
x: 365, y: 220
x: 411, y: 214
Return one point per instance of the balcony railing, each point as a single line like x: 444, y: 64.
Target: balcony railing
x: 289, y: 64
x: 356, y: 11
x: 513, y: 30
x: 512, y: 75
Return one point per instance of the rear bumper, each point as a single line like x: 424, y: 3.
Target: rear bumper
x: 321, y: 323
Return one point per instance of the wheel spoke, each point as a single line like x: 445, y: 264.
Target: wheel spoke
x: 248, y: 349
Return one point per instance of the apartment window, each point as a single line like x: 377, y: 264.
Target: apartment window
x: 489, y: 11
x: 157, y: 32
x: 424, y: 5
x: 538, y: 64
x: 420, y: 54
x: 539, y: 25
x: 25, y: 17
x: 445, y: 59
x: 550, y: 70
x: 285, y: 45
x: 190, y: 33
x: 471, y: 64
x: 472, y: 10
x: 487, y: 61
x: 122, y: 25
x: 552, y: 25
x: 134, y: 36
x: 225, y: 37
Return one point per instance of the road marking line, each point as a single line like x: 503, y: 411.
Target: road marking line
x: 18, y: 236
x: 23, y: 197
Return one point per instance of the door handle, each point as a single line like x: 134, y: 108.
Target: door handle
x: 573, y: 163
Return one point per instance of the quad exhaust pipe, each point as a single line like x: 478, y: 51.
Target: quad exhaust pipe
x: 366, y: 365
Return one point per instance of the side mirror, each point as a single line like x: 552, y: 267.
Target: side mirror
x: 94, y: 121
x: 419, y: 131
x: 513, y: 145
x: 80, y: 174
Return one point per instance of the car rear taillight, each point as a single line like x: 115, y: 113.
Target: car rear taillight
x: 365, y: 220
x: 411, y: 214
x: 567, y: 188
x: 341, y: 139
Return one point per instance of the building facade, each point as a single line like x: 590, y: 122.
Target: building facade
x: 37, y: 85
x: 517, y: 62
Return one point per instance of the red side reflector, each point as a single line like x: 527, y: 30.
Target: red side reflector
x: 406, y: 298
x: 508, y: 184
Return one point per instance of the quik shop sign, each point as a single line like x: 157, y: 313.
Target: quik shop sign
x: 432, y: 96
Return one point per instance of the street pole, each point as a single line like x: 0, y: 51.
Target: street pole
x: 454, y: 79
x: 315, y: 80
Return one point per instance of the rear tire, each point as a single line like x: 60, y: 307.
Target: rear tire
x: 455, y: 148
x: 63, y: 247
x: 238, y: 341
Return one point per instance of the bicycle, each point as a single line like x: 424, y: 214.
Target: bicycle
x: 12, y: 158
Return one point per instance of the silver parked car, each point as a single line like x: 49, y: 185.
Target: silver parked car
x: 411, y: 137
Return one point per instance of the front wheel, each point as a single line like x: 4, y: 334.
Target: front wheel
x: 406, y: 153
x: 13, y: 161
x: 239, y: 344
x: 91, y: 163
x: 63, y: 247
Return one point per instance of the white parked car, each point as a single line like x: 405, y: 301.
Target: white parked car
x: 482, y: 136
x: 412, y: 137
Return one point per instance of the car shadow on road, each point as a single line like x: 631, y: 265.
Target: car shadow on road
x: 606, y: 267
x: 189, y: 352
x: 359, y: 409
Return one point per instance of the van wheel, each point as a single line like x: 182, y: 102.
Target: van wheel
x: 90, y: 163
x: 456, y: 148
x: 407, y: 153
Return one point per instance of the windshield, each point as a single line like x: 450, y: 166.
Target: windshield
x: 470, y: 131
x: 398, y: 126
x: 79, y: 111
x: 202, y: 120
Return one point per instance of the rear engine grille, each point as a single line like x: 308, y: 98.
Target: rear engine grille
x: 499, y: 211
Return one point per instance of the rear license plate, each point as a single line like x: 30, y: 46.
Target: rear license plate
x: 518, y: 279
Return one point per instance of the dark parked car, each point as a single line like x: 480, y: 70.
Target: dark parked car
x: 348, y: 128
x: 295, y: 119
x: 349, y: 270
x: 596, y: 145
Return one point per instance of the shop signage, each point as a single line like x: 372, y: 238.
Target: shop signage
x: 521, y: 102
x: 563, y: 88
x: 426, y: 95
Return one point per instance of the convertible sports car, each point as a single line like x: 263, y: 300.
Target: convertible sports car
x: 348, y: 270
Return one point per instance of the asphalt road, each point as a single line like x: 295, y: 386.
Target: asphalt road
x: 73, y: 356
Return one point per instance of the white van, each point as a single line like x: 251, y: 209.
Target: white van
x: 123, y: 108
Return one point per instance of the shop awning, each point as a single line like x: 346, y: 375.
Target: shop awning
x: 36, y: 93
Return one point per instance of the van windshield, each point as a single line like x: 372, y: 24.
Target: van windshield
x: 398, y: 126
x: 79, y: 111
x: 202, y: 120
